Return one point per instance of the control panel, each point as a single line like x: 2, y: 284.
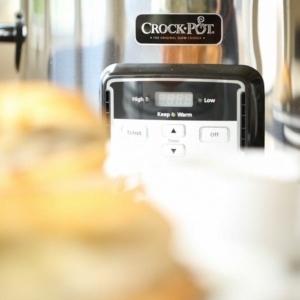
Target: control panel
x: 182, y: 111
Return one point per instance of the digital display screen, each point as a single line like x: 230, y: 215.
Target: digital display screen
x: 174, y: 99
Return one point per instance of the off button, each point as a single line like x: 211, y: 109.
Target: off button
x: 214, y: 134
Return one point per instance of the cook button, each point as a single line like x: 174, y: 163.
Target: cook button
x: 135, y: 132
x: 173, y: 130
x: 170, y: 150
x: 214, y: 134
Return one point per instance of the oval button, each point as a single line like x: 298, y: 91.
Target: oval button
x: 214, y: 134
x: 135, y: 132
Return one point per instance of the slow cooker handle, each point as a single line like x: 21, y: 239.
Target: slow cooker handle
x: 14, y: 34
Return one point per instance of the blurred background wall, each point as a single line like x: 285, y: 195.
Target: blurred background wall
x: 8, y: 9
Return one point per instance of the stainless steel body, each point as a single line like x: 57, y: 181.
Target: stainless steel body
x: 71, y: 42
x: 280, y: 53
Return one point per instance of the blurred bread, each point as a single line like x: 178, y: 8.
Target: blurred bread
x: 87, y: 239
x: 33, y: 105
x: 66, y: 230
x: 46, y: 133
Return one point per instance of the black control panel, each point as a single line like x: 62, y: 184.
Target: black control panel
x: 186, y: 93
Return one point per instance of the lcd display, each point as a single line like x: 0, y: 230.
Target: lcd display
x: 174, y: 99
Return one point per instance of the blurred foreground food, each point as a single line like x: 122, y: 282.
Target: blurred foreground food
x: 66, y: 230
x: 46, y: 134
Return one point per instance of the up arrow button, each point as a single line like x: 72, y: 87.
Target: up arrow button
x: 173, y: 130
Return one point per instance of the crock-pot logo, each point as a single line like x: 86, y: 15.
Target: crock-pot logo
x: 179, y: 29
x: 189, y: 28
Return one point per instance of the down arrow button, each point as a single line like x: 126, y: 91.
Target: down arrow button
x: 171, y: 150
